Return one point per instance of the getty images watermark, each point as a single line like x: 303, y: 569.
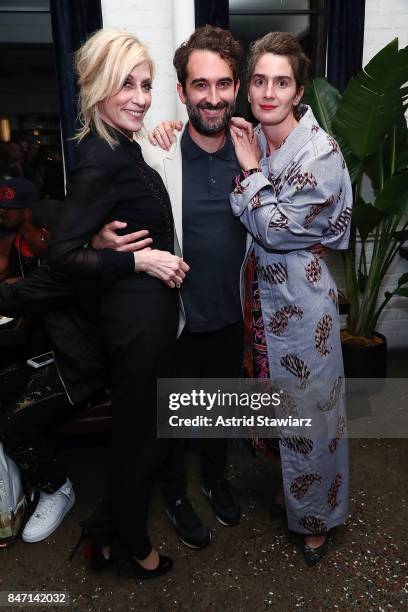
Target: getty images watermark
x: 223, y: 408
x: 312, y: 409
x: 220, y: 400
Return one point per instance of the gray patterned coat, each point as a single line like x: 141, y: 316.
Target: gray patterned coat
x: 302, y: 197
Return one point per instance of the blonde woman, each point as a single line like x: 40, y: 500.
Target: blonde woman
x: 135, y: 295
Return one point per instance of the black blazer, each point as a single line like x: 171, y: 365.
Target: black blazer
x: 108, y: 184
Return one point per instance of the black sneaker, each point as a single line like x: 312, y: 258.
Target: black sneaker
x: 190, y: 530
x: 224, y: 503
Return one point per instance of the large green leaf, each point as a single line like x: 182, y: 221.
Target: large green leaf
x: 374, y: 169
x: 403, y: 292
x: 401, y: 236
x: 395, y: 150
x: 371, y: 103
x: 362, y: 281
x: 353, y: 165
x: 394, y: 196
x: 391, y: 157
x: 402, y: 160
x: 401, y: 143
x: 366, y: 217
x: 403, y: 279
x: 324, y: 100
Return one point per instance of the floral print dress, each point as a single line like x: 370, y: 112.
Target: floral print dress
x: 301, y: 196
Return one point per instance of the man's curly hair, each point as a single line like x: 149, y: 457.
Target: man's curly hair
x: 208, y: 38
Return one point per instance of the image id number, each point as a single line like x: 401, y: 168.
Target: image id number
x: 33, y: 598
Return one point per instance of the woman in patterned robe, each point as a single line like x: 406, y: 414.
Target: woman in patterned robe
x: 295, y: 193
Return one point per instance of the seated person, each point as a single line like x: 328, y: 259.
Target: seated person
x: 52, y: 394
x: 16, y: 197
x: 46, y: 399
x: 16, y: 259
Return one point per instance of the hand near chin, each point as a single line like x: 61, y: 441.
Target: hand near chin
x: 247, y: 152
x: 243, y: 125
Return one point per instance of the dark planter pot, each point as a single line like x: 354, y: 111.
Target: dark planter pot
x: 365, y: 361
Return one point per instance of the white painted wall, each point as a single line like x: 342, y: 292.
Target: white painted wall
x: 384, y: 20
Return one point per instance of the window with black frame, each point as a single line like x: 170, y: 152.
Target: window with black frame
x: 306, y: 19
x: 30, y: 141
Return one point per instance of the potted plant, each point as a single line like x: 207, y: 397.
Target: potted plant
x: 369, y: 124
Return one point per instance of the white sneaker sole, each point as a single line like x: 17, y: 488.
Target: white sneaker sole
x: 45, y: 534
x: 192, y: 545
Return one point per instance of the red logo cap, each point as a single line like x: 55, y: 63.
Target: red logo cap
x: 7, y: 194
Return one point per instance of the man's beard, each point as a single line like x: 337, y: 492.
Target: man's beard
x: 209, y: 128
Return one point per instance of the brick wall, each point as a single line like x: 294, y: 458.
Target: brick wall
x: 384, y: 20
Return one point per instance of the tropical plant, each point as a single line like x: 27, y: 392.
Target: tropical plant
x: 369, y: 124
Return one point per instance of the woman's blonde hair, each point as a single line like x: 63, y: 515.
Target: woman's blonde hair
x: 103, y: 64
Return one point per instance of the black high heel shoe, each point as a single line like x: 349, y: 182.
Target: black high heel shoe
x: 123, y: 558
x: 165, y: 566
x: 95, y: 537
x: 313, y: 554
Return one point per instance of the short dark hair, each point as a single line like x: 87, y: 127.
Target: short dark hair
x: 280, y: 43
x: 208, y: 38
x: 46, y: 213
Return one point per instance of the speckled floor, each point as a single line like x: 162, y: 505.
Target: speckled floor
x: 250, y: 567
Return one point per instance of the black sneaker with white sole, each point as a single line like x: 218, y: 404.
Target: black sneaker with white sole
x: 224, y: 502
x: 189, y: 528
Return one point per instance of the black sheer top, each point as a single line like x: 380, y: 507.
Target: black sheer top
x: 105, y: 185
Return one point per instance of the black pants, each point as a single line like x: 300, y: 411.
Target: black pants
x: 206, y: 355
x: 140, y: 327
x: 33, y: 403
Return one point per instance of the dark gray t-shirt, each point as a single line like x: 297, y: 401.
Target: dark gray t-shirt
x: 213, y: 239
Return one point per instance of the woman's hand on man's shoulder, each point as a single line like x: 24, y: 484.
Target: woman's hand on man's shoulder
x: 243, y: 126
x: 164, y: 134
